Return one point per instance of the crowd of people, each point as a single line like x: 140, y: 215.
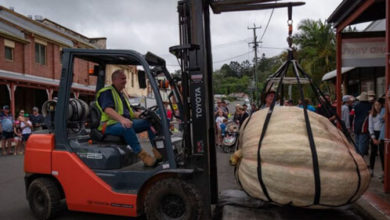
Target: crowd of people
x: 362, y: 116
x: 18, y: 129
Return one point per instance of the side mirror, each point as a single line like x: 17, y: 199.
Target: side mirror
x: 141, y: 79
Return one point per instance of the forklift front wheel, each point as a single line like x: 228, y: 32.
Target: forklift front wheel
x: 44, y: 198
x: 173, y: 198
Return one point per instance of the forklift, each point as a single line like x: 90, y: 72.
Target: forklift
x: 75, y: 164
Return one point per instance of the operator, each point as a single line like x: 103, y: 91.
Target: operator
x: 118, y: 118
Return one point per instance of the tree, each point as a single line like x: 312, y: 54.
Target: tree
x: 316, y: 48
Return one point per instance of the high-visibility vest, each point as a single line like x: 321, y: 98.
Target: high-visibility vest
x: 106, y: 120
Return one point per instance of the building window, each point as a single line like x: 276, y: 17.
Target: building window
x: 40, y: 53
x: 9, y: 53
x: 9, y: 49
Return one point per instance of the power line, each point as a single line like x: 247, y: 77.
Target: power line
x: 230, y: 43
x: 219, y: 61
x: 266, y: 27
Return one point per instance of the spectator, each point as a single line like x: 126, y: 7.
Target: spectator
x: 374, y: 126
x: 220, y: 107
x: 223, y: 128
x: 218, y: 123
x: 7, y: 128
x: 245, y: 107
x: 26, y: 126
x: 243, y: 116
x: 268, y: 98
x: 253, y: 108
x: 360, y: 127
x: 36, y: 119
x: 18, y: 137
x: 237, y: 114
x: 326, y: 109
x: 225, y: 109
x: 307, y: 102
x: 345, y: 113
x: 371, y: 97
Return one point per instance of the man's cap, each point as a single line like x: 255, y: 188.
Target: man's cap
x: 5, y: 107
x: 346, y: 98
x: 35, y: 108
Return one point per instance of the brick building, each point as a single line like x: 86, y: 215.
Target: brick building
x: 30, y: 60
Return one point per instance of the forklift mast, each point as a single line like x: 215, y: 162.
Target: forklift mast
x: 194, y: 52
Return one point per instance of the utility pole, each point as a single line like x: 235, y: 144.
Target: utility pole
x: 255, y: 45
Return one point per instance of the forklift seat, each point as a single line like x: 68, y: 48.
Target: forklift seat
x: 94, y: 122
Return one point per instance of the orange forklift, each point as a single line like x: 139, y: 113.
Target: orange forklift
x: 73, y: 163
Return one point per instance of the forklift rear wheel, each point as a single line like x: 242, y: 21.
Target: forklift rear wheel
x: 173, y: 199
x: 44, y: 198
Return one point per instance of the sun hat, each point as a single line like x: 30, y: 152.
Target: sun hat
x: 363, y: 96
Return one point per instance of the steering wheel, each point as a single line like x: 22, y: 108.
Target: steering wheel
x: 154, y: 119
x: 148, y: 112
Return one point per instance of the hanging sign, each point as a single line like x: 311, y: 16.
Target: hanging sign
x: 363, y: 52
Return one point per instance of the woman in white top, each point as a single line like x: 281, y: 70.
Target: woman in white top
x: 374, y: 127
x: 26, y: 126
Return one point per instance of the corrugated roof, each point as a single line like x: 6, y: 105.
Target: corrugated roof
x: 78, y: 37
x: 374, y: 10
x: 41, y: 80
x: 34, y: 28
x: 379, y: 25
x: 5, y: 28
x: 332, y: 74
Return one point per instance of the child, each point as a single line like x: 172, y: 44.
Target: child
x: 218, y: 122
x: 223, y: 127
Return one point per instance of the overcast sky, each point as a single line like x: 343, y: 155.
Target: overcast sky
x: 152, y: 25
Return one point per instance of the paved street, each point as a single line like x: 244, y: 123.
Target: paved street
x: 13, y: 203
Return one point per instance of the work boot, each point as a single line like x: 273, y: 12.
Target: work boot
x: 157, y: 155
x: 148, y: 160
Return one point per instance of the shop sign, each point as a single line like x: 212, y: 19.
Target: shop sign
x: 363, y: 52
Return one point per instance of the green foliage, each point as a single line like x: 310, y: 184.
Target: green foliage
x: 315, y: 51
x: 316, y: 48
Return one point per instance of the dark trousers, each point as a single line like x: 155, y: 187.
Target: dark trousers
x: 374, y: 152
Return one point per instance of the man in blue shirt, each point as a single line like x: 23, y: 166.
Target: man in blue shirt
x: 7, y: 128
x: 119, y: 119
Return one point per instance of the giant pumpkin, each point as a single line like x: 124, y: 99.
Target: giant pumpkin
x: 286, y: 168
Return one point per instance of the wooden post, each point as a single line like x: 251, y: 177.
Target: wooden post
x: 49, y: 93
x: 11, y: 90
x: 386, y: 185
x: 338, y: 70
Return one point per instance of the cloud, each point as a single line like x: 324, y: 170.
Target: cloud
x: 152, y: 25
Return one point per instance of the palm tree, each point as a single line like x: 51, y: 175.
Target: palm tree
x: 316, y: 48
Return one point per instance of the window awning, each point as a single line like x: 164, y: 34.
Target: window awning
x: 332, y: 74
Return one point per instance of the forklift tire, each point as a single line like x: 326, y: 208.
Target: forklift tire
x: 44, y: 198
x: 173, y: 199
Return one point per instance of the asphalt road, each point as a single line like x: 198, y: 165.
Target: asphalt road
x: 13, y: 203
